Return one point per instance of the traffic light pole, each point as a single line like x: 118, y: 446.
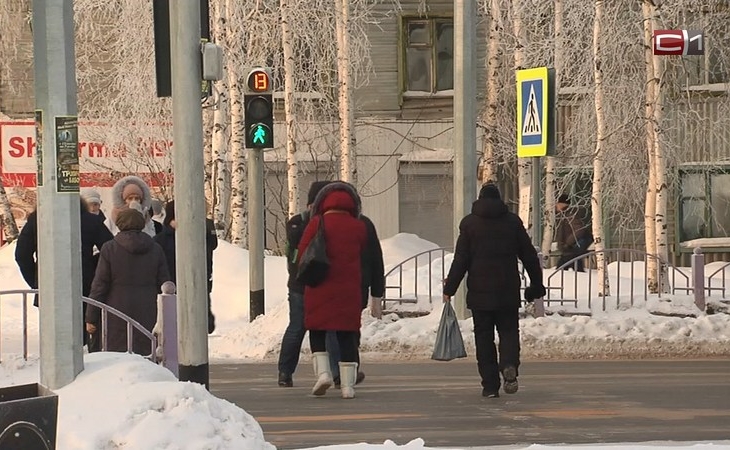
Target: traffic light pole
x: 59, y: 238
x: 187, y: 117
x: 256, y: 232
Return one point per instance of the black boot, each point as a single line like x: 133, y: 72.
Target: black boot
x: 285, y: 380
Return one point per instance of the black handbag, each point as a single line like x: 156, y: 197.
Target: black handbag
x: 314, y: 263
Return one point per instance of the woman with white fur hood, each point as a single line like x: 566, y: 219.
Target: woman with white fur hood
x: 131, y: 192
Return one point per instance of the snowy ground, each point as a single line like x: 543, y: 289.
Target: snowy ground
x: 123, y: 401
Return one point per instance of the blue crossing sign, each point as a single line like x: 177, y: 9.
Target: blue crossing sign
x: 535, y: 112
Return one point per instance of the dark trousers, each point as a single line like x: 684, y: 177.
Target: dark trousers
x: 291, y: 343
x: 333, y: 347
x: 507, y: 324
x: 346, y: 339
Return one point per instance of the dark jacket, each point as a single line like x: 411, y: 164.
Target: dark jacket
x: 336, y: 303
x: 572, y: 229
x: 490, y: 240
x: 373, y: 267
x: 93, y: 234
x: 131, y: 271
x: 166, y: 239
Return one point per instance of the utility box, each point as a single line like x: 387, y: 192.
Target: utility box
x: 28, y: 417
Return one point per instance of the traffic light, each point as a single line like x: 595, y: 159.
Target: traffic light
x: 259, y: 109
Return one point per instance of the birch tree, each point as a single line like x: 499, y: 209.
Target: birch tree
x: 549, y: 212
x: 292, y: 165
x: 348, y: 158
x: 647, y: 8
x: 8, y: 225
x: 488, y: 169
x: 599, y: 155
x: 523, y: 164
x: 221, y: 133
x: 660, y: 173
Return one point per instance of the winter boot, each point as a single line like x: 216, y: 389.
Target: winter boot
x: 510, y: 379
x: 348, y: 375
x: 322, y: 372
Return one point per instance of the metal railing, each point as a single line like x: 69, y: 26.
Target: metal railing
x: 105, y: 311
x: 397, y: 272
x: 616, y: 283
x: 720, y: 276
x: 624, y: 280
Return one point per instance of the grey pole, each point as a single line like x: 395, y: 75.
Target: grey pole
x: 256, y: 232
x: 59, y: 238
x: 464, y: 167
x: 187, y: 118
x: 536, y: 194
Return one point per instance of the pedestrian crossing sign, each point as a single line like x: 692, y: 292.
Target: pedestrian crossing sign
x: 535, y: 112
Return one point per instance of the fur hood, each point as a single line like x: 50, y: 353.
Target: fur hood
x: 118, y: 201
x: 337, y: 186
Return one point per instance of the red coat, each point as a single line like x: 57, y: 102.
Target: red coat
x: 336, y: 304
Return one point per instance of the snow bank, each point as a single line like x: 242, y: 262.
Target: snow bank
x: 402, y: 246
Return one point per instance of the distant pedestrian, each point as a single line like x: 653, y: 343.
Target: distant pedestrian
x: 335, y: 304
x: 572, y: 233
x: 93, y: 202
x: 166, y: 240
x: 491, y: 239
x: 127, y: 192
x: 129, y: 276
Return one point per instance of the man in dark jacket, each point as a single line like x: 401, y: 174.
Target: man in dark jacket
x: 490, y: 240
x: 93, y: 234
x: 291, y: 342
x: 166, y: 239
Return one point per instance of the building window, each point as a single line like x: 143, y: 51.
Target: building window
x: 704, y: 203
x: 429, y: 55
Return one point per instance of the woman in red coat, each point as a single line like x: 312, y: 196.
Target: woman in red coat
x: 336, y: 303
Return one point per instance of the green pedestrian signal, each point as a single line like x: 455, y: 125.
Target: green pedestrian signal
x: 258, y: 103
x: 260, y: 136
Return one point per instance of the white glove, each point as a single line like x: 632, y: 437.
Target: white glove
x: 376, y: 307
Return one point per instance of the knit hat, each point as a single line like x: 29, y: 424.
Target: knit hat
x: 91, y: 196
x: 564, y: 199
x: 156, y: 207
x: 490, y: 190
x: 169, y: 212
x: 132, y: 188
x: 130, y: 220
x: 314, y: 190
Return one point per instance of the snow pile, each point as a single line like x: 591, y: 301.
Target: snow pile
x: 125, y: 401
x: 402, y: 246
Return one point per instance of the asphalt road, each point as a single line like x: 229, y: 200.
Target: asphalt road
x: 441, y: 402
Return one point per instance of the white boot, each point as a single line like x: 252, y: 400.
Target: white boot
x: 322, y: 372
x: 348, y: 376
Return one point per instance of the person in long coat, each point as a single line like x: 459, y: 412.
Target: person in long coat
x: 336, y: 303
x: 129, y: 276
x: 490, y: 241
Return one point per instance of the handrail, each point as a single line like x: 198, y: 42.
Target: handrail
x: 399, y: 269
x: 106, y: 309
x: 723, y: 280
x: 616, y: 253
